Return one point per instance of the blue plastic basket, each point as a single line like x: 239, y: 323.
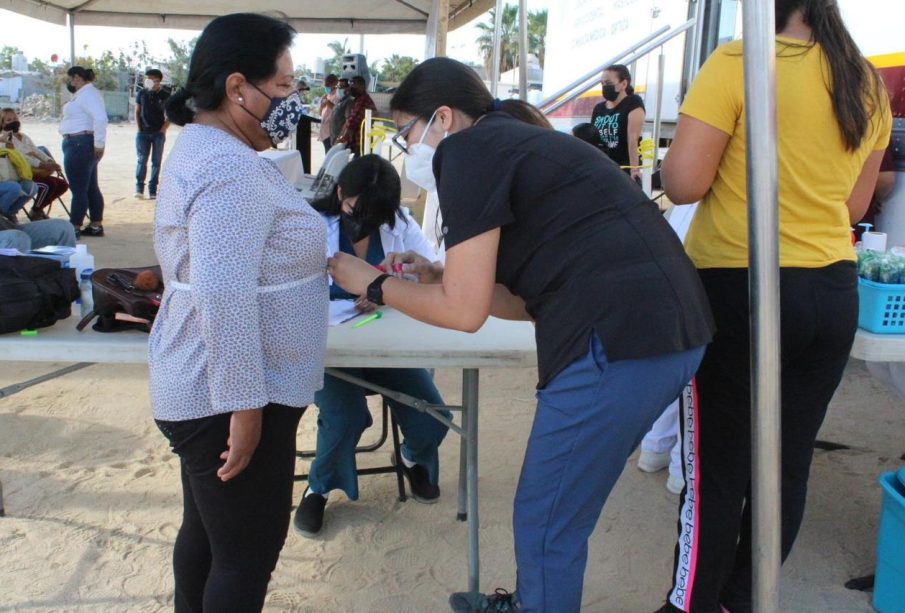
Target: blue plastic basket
x: 882, y: 308
x: 889, y: 588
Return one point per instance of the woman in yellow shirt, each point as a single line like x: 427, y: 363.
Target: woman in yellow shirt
x: 833, y: 125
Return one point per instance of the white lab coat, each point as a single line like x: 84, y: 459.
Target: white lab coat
x: 405, y: 236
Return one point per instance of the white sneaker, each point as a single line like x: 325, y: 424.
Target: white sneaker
x: 651, y: 462
x: 139, y: 196
x: 675, y: 484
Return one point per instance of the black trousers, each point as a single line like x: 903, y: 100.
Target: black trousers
x: 819, y: 313
x: 231, y: 533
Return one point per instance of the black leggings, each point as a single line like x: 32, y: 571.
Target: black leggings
x: 231, y: 533
x: 819, y: 313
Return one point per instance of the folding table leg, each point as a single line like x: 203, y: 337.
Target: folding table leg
x: 470, y: 381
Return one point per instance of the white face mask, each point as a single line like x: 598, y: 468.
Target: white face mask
x: 419, y: 165
x: 149, y: 84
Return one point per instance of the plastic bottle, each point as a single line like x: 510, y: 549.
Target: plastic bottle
x: 80, y: 260
x: 87, y: 297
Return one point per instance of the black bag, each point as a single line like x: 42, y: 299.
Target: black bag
x: 34, y: 292
x: 118, y: 304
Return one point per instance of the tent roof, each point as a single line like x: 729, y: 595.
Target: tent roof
x: 311, y: 16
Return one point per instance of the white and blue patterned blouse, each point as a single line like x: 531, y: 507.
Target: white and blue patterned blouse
x: 243, y: 321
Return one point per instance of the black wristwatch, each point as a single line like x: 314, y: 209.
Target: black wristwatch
x: 375, y: 290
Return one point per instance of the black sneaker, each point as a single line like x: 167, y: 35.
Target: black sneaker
x: 309, y: 516
x: 476, y: 602
x: 90, y: 230
x: 422, y: 489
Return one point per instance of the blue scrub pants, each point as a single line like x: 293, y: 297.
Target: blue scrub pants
x: 589, y: 419
x: 344, y: 415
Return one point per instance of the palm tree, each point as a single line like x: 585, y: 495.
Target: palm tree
x: 537, y: 34
x: 396, y: 67
x: 335, y: 64
x: 509, y: 37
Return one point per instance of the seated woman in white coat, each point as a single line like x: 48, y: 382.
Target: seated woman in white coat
x: 364, y: 218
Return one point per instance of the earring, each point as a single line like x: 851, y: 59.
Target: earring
x: 241, y: 100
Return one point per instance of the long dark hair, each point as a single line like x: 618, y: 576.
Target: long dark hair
x: 624, y: 74
x: 378, y: 187
x: 79, y: 71
x: 247, y: 43
x: 855, y: 86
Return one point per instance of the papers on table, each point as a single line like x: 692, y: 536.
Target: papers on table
x: 342, y: 311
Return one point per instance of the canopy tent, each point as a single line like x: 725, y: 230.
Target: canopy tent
x: 310, y: 16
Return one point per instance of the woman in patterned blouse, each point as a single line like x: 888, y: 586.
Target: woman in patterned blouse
x: 237, y: 349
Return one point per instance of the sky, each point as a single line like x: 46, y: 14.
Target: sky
x: 40, y: 40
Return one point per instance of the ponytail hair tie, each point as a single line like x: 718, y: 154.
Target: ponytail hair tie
x: 496, y: 105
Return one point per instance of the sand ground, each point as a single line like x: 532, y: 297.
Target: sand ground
x: 93, y: 501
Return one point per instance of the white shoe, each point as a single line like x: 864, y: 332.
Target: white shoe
x: 675, y: 484
x: 651, y: 462
x: 139, y: 196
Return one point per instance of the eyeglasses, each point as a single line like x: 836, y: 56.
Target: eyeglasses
x: 399, y: 139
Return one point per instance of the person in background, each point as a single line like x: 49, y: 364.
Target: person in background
x: 536, y: 229
x: 152, y: 131
x: 525, y: 112
x: 36, y: 234
x: 84, y: 130
x: 364, y: 218
x: 237, y: 348
x: 351, y: 132
x: 16, y: 177
x: 344, y: 104
x: 834, y: 119
x: 45, y: 171
x: 327, y: 106
x: 619, y: 119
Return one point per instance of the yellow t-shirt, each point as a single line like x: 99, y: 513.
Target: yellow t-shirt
x: 816, y: 172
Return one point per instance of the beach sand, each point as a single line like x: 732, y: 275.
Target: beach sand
x: 93, y: 499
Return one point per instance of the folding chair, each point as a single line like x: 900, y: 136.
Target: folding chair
x: 387, y: 424
x: 39, y: 200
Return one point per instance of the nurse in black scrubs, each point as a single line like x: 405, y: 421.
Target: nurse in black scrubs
x: 537, y: 228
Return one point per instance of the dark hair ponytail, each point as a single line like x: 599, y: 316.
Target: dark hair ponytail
x: 438, y: 82
x: 247, y: 43
x: 378, y: 187
x: 624, y: 74
x: 79, y: 71
x: 855, y: 86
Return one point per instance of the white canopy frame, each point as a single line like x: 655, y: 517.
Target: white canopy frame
x: 434, y: 18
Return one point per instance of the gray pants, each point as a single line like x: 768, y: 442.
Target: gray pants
x: 38, y: 234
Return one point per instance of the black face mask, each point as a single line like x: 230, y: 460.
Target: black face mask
x: 12, y: 126
x: 70, y: 88
x: 355, y: 229
x: 610, y: 93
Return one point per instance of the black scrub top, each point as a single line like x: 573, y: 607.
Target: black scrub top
x: 580, y: 243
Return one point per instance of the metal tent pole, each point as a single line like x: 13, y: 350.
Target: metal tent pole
x: 763, y: 247
x: 71, y: 38
x: 523, y: 49
x: 497, y: 47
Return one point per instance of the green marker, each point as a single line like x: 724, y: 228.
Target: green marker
x: 368, y: 319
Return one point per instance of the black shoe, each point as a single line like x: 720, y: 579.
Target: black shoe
x: 78, y: 232
x: 475, y: 602
x: 90, y: 230
x: 309, y: 516
x: 420, y: 484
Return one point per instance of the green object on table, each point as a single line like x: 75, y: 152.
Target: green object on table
x: 29, y: 332
x: 368, y: 319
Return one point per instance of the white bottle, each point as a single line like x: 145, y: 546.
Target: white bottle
x: 80, y: 260
x: 87, y: 297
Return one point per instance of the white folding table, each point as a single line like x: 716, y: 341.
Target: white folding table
x: 394, y: 341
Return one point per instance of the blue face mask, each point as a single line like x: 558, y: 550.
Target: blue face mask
x: 329, y: 90
x: 282, y: 118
